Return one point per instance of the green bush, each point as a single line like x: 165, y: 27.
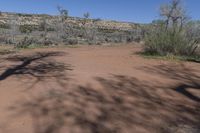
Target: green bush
x: 168, y: 42
x: 173, y: 35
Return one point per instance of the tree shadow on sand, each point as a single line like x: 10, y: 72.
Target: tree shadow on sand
x: 188, y: 78
x: 38, y: 65
x: 123, y: 104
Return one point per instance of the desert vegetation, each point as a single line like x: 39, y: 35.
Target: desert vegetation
x: 46, y: 30
x: 64, y: 74
x: 174, y: 35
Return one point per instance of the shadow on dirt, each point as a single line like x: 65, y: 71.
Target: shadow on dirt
x: 38, y: 65
x: 188, y: 78
x: 123, y: 104
x: 193, y: 60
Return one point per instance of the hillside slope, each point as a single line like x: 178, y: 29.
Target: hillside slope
x: 16, y: 28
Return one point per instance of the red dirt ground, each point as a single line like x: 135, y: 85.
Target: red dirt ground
x: 97, y: 89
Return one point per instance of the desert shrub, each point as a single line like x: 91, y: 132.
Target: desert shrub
x: 3, y: 39
x: 4, y: 26
x: 47, y: 42
x: 69, y: 41
x: 9, y: 41
x: 44, y: 26
x: 165, y: 42
x: 26, y: 42
x: 194, y: 27
x: 106, y: 30
x: 27, y: 28
x: 49, y: 29
x: 171, y: 36
x: 24, y: 15
x: 137, y: 39
x: 97, y: 20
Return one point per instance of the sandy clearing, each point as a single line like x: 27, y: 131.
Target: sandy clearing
x: 96, y: 89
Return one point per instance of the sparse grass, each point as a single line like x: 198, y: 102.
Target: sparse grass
x: 72, y: 46
x: 4, y: 52
x: 35, y: 46
x: 7, y: 50
x: 32, y: 46
x: 172, y: 57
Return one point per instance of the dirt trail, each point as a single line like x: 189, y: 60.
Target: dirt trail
x: 97, y: 89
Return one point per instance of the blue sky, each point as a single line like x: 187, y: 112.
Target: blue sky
x: 141, y: 11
